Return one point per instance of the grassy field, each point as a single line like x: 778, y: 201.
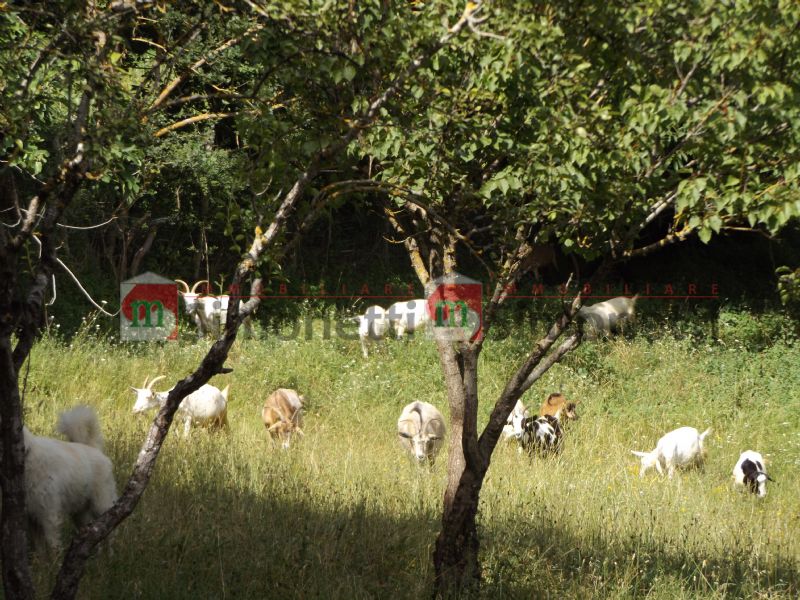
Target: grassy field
x: 344, y: 514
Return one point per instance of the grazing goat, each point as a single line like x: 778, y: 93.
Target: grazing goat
x: 607, y: 317
x: 67, y: 479
x: 206, y: 406
x: 209, y: 312
x: 421, y: 429
x: 541, y: 434
x: 678, y: 448
x: 408, y: 316
x: 372, y: 325
x: 513, y: 430
x: 557, y: 406
x: 282, y: 415
x: 751, y: 472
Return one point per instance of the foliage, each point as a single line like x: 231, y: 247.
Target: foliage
x: 589, y: 121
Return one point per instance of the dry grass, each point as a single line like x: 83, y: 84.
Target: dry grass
x: 345, y: 515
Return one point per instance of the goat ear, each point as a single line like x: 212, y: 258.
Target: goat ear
x: 274, y: 426
x: 637, y: 453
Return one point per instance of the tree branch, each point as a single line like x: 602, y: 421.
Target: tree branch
x: 192, y: 120
x: 666, y: 241
x: 174, y: 83
x: 527, y: 374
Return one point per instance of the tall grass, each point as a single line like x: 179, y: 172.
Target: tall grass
x: 344, y: 514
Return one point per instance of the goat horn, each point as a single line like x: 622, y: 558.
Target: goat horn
x: 300, y: 432
x: 144, y: 385
x: 184, y: 284
x: 159, y: 378
x: 194, y: 287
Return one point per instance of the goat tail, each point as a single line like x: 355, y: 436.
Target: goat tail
x: 225, y: 392
x: 81, y: 425
x: 704, y: 434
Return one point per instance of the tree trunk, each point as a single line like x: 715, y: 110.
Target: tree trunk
x: 17, y: 581
x: 455, y: 558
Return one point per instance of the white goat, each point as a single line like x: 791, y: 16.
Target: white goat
x: 282, y: 415
x: 408, y: 316
x: 372, y: 326
x: 607, y: 317
x: 209, y: 312
x: 751, y: 472
x: 513, y: 429
x: 67, y: 479
x: 206, y: 406
x: 421, y: 429
x: 678, y: 448
x: 194, y: 307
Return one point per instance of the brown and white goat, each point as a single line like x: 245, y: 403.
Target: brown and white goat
x: 282, y: 415
x: 557, y: 406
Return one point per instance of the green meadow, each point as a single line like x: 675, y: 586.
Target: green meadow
x: 345, y: 514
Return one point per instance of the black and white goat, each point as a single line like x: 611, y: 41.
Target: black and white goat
x: 751, y: 473
x: 542, y: 435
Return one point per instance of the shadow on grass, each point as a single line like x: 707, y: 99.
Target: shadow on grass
x: 542, y: 560
x: 213, y: 542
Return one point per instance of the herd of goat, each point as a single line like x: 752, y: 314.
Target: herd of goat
x: 75, y: 478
